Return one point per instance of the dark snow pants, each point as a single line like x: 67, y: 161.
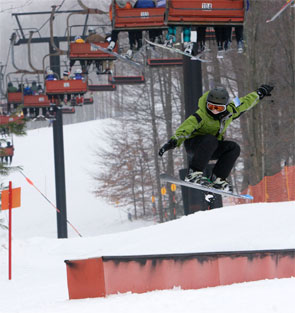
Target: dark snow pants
x: 202, y: 149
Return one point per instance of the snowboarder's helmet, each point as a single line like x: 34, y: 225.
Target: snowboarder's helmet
x: 217, y: 100
x: 78, y: 71
x: 218, y: 95
x: 10, y: 84
x: 121, y: 3
x: 49, y: 72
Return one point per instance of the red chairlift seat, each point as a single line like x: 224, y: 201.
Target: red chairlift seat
x: 36, y: 101
x: 6, y: 119
x: 59, y: 87
x: 211, y: 12
x: 102, y: 87
x: 165, y: 62
x: 85, y: 51
x: 8, y: 151
x: 77, y: 101
x: 14, y: 97
x: 88, y: 100
x: 140, y: 18
x: 126, y: 80
x: 68, y: 110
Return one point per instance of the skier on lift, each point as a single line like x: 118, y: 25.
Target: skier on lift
x: 203, y: 132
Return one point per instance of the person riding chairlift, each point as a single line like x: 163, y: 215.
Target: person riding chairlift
x: 78, y: 76
x: 122, y: 4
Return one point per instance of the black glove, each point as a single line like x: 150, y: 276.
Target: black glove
x: 171, y: 144
x: 264, y: 90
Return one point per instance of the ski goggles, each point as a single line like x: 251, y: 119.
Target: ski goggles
x: 218, y: 107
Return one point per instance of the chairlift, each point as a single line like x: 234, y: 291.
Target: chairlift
x: 126, y: 80
x: 84, y: 51
x: 28, y: 101
x: 7, y: 119
x: 88, y: 99
x: 198, y: 12
x: 102, y: 87
x: 36, y: 101
x: 59, y: 87
x: 6, y: 152
x: 14, y: 98
x: 180, y: 12
x: 165, y: 62
x: 68, y: 110
x: 139, y: 18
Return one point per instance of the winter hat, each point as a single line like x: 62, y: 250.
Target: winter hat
x: 121, y: 3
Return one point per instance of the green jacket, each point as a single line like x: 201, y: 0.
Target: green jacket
x: 202, y: 123
x: 11, y: 89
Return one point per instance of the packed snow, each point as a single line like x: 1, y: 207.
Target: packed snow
x: 39, y: 273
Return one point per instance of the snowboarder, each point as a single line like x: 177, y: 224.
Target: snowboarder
x: 202, y: 134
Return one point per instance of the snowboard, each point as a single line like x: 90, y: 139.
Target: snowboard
x: 174, y: 180
x: 117, y: 55
x: 172, y: 49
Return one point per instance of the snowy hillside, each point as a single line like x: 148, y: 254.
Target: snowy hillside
x: 90, y: 215
x: 39, y: 273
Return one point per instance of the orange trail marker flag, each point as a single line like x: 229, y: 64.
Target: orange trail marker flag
x: 16, y: 192
x: 10, y: 198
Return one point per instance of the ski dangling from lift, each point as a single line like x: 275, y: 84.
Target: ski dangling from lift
x: 117, y: 55
x: 282, y: 9
x: 40, y: 118
x: 176, y: 50
x: 174, y: 180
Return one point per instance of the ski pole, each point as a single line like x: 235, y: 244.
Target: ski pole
x: 57, y: 210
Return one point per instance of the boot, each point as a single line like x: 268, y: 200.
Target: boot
x: 220, y: 183
x: 197, y: 177
x: 111, y: 46
x: 240, y: 46
x: 129, y: 54
x: 170, y: 39
x: 188, y: 47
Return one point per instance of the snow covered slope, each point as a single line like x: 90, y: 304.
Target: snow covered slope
x: 90, y: 215
x: 39, y: 273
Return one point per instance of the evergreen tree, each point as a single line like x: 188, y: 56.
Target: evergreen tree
x: 15, y: 127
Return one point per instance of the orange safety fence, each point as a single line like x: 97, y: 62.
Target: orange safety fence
x: 276, y: 188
